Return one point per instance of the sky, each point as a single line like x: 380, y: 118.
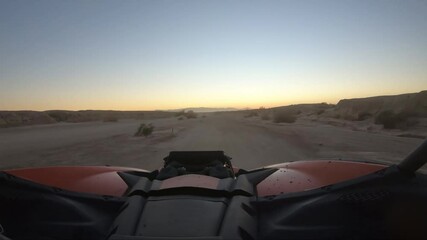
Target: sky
x: 146, y: 55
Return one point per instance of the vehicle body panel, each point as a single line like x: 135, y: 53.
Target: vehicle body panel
x: 194, y: 199
x: 102, y: 180
x: 306, y: 175
x: 190, y: 180
x: 290, y: 177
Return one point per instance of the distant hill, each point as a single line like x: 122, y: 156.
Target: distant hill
x: 394, y: 111
x: 306, y: 109
x: 204, y: 109
x: 412, y: 104
x: 22, y: 118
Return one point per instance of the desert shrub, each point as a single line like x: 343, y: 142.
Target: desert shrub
x: 387, y: 119
x: 190, y: 114
x: 284, y: 116
x: 406, y: 119
x: 110, y: 119
x: 59, y: 116
x: 140, y: 116
x: 320, y: 111
x: 390, y: 120
x: 144, y: 130
x: 3, y: 122
x: 363, y: 116
x: 326, y: 105
x: 265, y: 116
x: 337, y: 116
x: 180, y: 113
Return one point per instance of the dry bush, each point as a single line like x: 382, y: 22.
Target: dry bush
x: 363, y: 116
x: 190, y: 114
x: 144, y: 130
x: 284, y: 116
x: 110, y: 119
x: 319, y: 112
x: 59, y: 116
x: 265, y: 116
x: 390, y: 120
x: 387, y: 119
x: 337, y: 116
x: 180, y: 113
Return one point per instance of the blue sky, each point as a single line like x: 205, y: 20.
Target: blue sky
x: 173, y: 54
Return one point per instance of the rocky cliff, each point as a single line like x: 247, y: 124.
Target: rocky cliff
x: 19, y: 118
x: 411, y: 103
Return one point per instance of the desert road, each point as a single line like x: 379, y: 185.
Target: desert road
x: 251, y: 143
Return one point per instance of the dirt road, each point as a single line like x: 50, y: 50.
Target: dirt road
x: 250, y: 146
x: 251, y: 143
